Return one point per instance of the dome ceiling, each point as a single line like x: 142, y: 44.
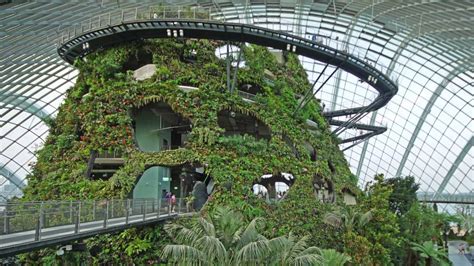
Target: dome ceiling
x: 426, y: 47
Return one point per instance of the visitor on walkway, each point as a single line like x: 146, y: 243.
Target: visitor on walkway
x: 173, y: 202
x: 461, y: 248
x: 168, y: 200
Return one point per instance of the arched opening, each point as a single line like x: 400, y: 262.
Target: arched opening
x: 236, y: 123
x: 273, y: 187
x: 349, y: 197
x: 137, y: 60
x: 323, y: 189
x: 158, y: 128
x: 187, y: 182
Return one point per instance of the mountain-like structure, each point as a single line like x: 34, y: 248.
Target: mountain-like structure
x: 159, y: 116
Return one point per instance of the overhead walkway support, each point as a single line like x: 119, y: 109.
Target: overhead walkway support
x: 113, y: 28
x: 28, y: 226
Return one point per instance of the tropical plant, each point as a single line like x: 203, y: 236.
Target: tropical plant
x: 430, y: 252
x: 293, y: 251
x: 348, y: 219
x: 225, y: 239
x: 466, y: 222
x: 222, y: 239
x: 331, y: 257
x: 403, y: 193
x: 420, y: 223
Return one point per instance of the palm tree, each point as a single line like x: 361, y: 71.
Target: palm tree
x: 291, y: 251
x: 430, y: 252
x: 331, y: 257
x: 224, y: 239
x: 348, y: 219
x: 466, y: 222
x: 220, y: 240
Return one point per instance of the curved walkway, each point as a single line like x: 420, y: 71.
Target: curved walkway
x: 83, y: 43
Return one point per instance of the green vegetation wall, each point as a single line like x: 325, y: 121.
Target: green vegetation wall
x: 96, y: 116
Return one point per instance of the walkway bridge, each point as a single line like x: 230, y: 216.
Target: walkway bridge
x: 461, y: 198
x: 205, y: 23
x: 27, y: 226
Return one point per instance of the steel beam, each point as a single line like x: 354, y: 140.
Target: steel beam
x: 23, y: 103
x: 453, y: 168
x: 11, y: 176
x: 455, y: 72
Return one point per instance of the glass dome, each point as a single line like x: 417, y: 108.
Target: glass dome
x: 426, y: 48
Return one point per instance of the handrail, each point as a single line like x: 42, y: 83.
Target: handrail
x: 38, y: 216
x: 206, y: 14
x: 168, y: 28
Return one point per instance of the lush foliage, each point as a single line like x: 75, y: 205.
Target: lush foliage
x: 225, y: 239
x: 403, y: 194
x: 430, y: 253
x: 96, y: 116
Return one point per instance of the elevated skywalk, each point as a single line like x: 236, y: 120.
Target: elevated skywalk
x: 28, y: 226
x: 158, y: 22
x: 460, y: 198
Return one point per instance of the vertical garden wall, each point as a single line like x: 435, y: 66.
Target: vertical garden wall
x: 110, y: 110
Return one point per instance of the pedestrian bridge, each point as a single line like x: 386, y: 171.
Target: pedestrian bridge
x: 27, y: 226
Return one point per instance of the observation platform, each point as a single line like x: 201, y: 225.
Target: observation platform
x: 137, y: 24
x: 28, y: 226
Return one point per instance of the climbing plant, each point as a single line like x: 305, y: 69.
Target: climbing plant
x: 96, y: 116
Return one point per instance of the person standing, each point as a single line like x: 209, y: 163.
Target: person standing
x: 168, y: 201
x: 173, y: 202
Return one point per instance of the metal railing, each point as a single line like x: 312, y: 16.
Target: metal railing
x: 356, y: 51
x: 446, y: 198
x: 137, y: 14
x: 35, y: 220
x: 203, y: 13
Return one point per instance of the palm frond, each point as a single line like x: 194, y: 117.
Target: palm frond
x: 183, y: 254
x: 250, y: 233
x: 331, y: 257
x: 299, y: 246
x: 311, y: 250
x: 213, y: 248
x: 365, y: 218
x: 252, y: 252
x: 227, y: 222
x: 207, y: 227
x: 333, y: 219
x: 186, y: 236
x: 280, y: 248
x: 307, y: 260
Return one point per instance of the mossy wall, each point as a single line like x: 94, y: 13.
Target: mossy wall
x: 96, y: 115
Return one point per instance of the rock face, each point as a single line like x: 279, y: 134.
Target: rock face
x: 145, y: 72
x: 200, y: 195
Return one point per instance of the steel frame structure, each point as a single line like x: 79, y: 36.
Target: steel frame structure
x: 426, y: 45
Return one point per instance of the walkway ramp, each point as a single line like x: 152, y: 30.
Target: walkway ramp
x: 28, y: 226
